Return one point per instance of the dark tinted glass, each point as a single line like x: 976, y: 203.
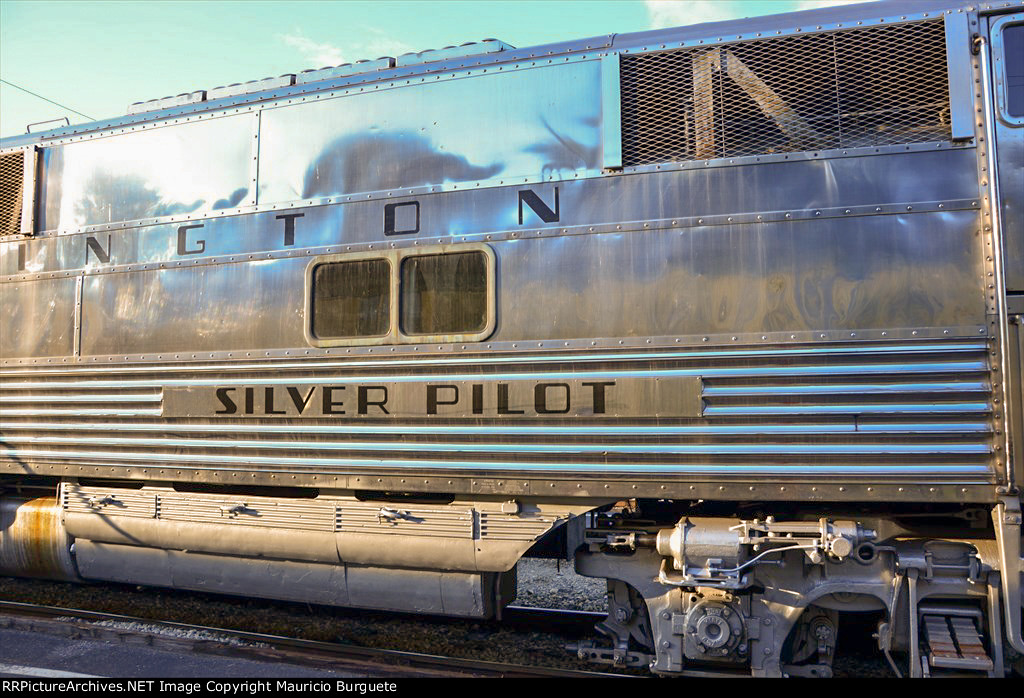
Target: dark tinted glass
x: 1013, y: 41
x: 444, y: 293
x: 351, y: 299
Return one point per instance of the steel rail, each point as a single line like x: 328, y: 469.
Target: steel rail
x: 381, y: 657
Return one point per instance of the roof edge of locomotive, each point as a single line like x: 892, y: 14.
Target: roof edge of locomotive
x: 489, y: 52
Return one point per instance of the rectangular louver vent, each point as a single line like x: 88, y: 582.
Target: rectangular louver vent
x: 12, y: 184
x: 851, y: 88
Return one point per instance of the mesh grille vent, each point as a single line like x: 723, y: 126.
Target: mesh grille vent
x: 845, y: 89
x: 12, y: 181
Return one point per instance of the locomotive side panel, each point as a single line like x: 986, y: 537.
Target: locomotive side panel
x: 531, y: 122
x: 872, y: 239
x: 179, y: 168
x: 878, y: 272
x: 39, y: 318
x: 881, y: 272
x: 251, y: 305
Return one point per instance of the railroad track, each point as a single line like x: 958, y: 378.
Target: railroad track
x: 345, y: 638
x: 80, y: 623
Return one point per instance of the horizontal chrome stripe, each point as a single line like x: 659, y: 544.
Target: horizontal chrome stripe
x: 710, y: 391
x: 857, y: 408
x: 937, y: 469
x: 708, y: 372
x: 75, y: 412
x: 91, y: 397
x: 510, y: 429
x: 507, y: 357
x: 498, y: 448
x: 573, y: 356
x: 763, y: 391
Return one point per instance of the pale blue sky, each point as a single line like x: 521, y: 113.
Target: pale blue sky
x: 97, y: 57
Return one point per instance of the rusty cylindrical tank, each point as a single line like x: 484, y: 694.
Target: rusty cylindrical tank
x: 33, y: 542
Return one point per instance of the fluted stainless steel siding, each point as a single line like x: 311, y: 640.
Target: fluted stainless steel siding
x: 908, y: 411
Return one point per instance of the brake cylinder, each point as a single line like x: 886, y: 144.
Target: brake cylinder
x: 694, y: 541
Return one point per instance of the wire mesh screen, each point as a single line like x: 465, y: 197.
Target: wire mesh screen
x: 850, y: 88
x: 12, y: 179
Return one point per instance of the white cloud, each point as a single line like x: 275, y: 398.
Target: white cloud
x: 373, y: 43
x: 314, y: 53
x: 815, y: 4
x: 674, y: 13
x: 378, y: 44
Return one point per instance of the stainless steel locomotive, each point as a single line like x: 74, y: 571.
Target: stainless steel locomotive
x: 729, y: 315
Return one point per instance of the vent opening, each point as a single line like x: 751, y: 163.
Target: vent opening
x: 851, y: 88
x: 12, y: 185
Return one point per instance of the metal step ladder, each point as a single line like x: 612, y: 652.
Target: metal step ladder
x: 953, y: 639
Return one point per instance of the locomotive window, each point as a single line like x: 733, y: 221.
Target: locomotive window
x: 351, y: 299
x: 404, y: 296
x: 444, y: 294
x: 1013, y: 42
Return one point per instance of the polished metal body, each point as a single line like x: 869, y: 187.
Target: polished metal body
x: 824, y: 321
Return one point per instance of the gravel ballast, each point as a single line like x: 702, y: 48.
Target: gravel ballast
x: 555, y: 584
x: 541, y: 584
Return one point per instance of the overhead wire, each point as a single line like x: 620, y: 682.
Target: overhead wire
x: 62, y: 106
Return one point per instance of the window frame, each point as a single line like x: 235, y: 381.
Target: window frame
x: 394, y: 335
x: 998, y: 62
x: 348, y: 341
x: 401, y: 275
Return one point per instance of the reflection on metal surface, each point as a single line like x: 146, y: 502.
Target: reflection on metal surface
x: 385, y: 161
x: 865, y: 247
x: 744, y: 279
x: 114, y: 309
x: 187, y: 168
x: 818, y: 190
x: 1009, y: 133
x: 822, y: 276
x: 454, y: 131
x: 841, y: 410
x: 38, y: 318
